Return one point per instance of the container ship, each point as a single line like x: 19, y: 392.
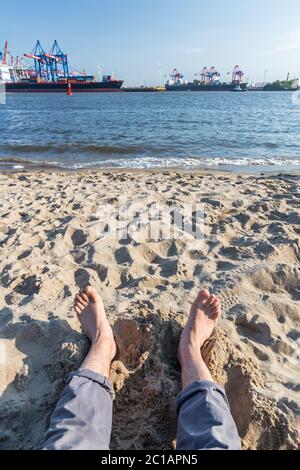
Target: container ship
x: 210, y: 80
x: 50, y: 73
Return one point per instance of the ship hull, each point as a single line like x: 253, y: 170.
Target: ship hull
x: 50, y: 87
x: 195, y: 86
x: 184, y: 87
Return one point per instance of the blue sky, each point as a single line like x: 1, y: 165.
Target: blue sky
x: 132, y: 37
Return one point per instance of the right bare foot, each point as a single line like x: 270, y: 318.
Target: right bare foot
x: 91, y: 314
x: 204, y: 316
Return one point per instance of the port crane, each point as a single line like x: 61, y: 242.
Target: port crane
x: 175, y: 76
x: 237, y: 75
x: 50, y: 66
x: 204, y: 75
x: 214, y: 75
x: 59, y: 61
x: 209, y: 76
x: 41, y: 64
x: 4, y: 54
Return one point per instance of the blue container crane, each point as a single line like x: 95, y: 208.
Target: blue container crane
x: 59, y: 60
x: 52, y: 66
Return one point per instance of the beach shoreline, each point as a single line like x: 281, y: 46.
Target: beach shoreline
x: 50, y: 248
x: 238, y: 171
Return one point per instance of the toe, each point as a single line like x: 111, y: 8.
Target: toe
x: 217, y: 311
x: 210, y: 301
x: 84, y: 297
x: 77, y: 309
x: 92, y: 294
x: 80, y: 301
x: 79, y: 297
x: 204, y: 294
x: 215, y: 302
x: 201, y: 298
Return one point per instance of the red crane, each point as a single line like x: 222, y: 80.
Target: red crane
x: 237, y: 75
x: 5, y: 53
x: 205, y: 75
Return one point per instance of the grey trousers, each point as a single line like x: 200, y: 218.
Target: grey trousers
x: 82, y: 419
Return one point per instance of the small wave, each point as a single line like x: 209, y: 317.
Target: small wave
x: 18, y: 167
x: 151, y: 162
x: 17, y: 163
x: 253, y: 161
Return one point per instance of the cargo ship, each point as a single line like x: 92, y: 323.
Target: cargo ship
x: 85, y: 86
x: 210, y: 80
x: 50, y: 73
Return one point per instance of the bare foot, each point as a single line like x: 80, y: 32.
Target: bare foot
x: 91, y: 314
x: 204, y: 316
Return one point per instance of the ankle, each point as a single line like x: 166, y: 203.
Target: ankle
x: 102, y: 337
x: 194, y: 369
x: 190, y: 355
x: 105, y: 343
x: 189, y: 350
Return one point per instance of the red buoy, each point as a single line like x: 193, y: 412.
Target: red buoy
x: 69, y: 89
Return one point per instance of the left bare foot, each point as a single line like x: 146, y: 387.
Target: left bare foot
x: 91, y: 314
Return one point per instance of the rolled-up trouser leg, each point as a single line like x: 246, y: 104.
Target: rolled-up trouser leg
x: 82, y: 419
x: 204, y: 419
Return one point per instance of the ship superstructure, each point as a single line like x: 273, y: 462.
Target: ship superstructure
x: 13, y: 69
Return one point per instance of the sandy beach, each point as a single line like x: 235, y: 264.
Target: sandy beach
x: 49, y: 249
